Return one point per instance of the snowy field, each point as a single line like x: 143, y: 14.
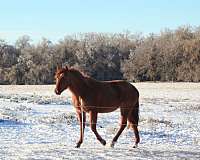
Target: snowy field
x: 37, y: 124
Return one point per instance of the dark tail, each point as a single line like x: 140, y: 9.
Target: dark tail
x: 134, y: 115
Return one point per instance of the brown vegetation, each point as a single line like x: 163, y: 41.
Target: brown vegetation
x: 173, y: 55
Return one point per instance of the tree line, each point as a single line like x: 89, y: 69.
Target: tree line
x: 171, y: 55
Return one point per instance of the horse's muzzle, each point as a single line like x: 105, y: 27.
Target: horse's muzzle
x: 57, y: 92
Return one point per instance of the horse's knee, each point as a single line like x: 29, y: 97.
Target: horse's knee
x: 93, y: 128
x: 124, y: 125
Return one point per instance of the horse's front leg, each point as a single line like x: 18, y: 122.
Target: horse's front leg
x: 93, y: 122
x: 82, y: 125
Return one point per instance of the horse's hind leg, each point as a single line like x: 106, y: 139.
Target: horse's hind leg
x: 133, y: 119
x: 93, y: 122
x: 137, y: 137
x: 124, y: 114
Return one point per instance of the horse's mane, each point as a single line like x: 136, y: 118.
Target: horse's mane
x: 81, y: 75
x: 78, y: 74
x: 74, y: 71
x: 89, y: 81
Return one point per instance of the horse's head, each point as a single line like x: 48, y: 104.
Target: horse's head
x: 62, y: 80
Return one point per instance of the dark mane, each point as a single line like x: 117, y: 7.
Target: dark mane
x: 77, y: 73
x: 88, y: 81
x: 81, y: 74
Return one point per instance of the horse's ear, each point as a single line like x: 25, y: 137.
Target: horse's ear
x: 59, y: 67
x: 66, y: 68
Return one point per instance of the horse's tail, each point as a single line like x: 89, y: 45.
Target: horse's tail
x: 133, y: 117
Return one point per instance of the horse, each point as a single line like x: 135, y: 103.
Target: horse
x: 93, y: 97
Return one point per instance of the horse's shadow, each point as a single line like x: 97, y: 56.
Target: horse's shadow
x: 10, y: 122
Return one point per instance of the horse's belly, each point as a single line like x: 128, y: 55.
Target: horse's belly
x: 99, y: 109
x: 106, y: 109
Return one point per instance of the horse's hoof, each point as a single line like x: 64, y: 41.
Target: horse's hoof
x: 135, y: 146
x: 78, y: 145
x: 103, y: 142
x: 112, y: 144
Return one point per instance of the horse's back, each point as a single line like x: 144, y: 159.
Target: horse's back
x: 126, y: 89
x: 121, y: 90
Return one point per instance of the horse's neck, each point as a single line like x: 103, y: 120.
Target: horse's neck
x: 79, y: 88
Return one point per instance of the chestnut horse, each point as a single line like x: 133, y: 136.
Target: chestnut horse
x: 93, y: 97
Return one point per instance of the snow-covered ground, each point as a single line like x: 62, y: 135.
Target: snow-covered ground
x: 37, y: 124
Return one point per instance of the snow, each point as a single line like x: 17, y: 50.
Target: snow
x: 37, y: 124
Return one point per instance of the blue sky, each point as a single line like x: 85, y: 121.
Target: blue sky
x: 54, y: 19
